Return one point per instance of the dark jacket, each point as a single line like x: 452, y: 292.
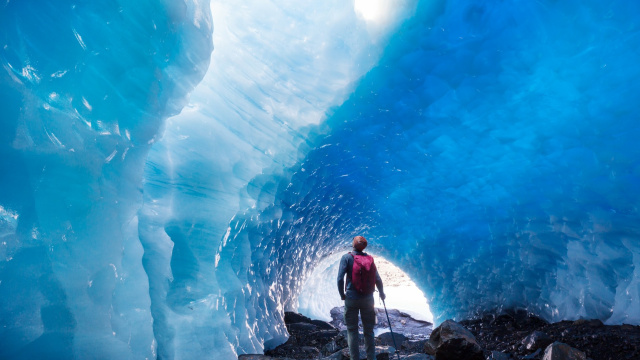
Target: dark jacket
x: 346, y: 268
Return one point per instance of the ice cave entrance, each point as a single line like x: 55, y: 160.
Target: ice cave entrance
x: 320, y: 294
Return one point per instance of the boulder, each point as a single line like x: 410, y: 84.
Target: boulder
x: 429, y: 348
x: 323, y: 325
x: 382, y: 353
x: 497, y: 355
x: 330, y: 348
x: 301, y: 327
x: 452, y: 341
x: 536, y: 340
x: 335, y: 356
x: 310, y: 351
x: 417, y: 357
x: 532, y: 356
x: 562, y: 351
x: 347, y: 355
x: 383, y: 356
x: 305, y: 339
x: 413, y: 346
x: 292, y: 317
x: 382, y: 350
x: 341, y: 339
x: 323, y: 334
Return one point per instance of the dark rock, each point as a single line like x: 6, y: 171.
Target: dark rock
x: 537, y: 340
x: 429, y: 348
x: 323, y: 325
x: 386, y: 339
x: 413, y: 346
x: 514, y: 319
x: 418, y: 357
x: 310, y: 351
x: 330, y: 348
x: 533, y: 356
x: 335, y: 356
x: 341, y: 339
x: 292, y: 317
x: 561, y: 351
x: 497, y: 355
x: 294, y: 351
x: 301, y: 327
x: 592, y: 323
x: 306, y: 338
x: 451, y: 341
x: 385, y: 350
x: 506, y: 334
x: 596, y: 340
x: 321, y: 334
x: 382, y: 353
x: 260, y: 357
x: 595, y: 323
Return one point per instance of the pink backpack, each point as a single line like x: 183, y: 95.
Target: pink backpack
x: 363, y: 276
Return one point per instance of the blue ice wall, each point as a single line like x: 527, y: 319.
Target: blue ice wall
x: 493, y: 154
x: 85, y: 88
x: 272, y: 80
x: 497, y: 151
x: 490, y: 150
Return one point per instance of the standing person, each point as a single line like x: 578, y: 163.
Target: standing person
x: 359, y: 296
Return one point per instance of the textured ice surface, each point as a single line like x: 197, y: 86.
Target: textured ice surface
x: 491, y: 152
x: 84, y: 90
x: 272, y: 79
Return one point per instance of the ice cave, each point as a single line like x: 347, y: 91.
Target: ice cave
x: 172, y: 172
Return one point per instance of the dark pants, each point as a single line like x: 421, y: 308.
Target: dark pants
x: 368, y: 315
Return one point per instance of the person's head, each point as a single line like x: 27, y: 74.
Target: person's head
x: 359, y: 243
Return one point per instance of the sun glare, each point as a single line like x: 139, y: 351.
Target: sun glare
x: 371, y: 10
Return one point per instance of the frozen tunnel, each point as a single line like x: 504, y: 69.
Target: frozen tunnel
x: 318, y: 294
x: 172, y: 172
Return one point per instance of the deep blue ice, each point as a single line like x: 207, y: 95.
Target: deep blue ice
x: 172, y: 171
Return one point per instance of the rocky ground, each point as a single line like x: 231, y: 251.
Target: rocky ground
x: 510, y: 335
x: 525, y: 336
x: 401, y: 323
x: 315, y: 339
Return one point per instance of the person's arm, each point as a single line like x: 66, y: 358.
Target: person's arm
x: 342, y: 271
x: 379, y: 286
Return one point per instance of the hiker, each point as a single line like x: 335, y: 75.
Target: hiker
x: 359, y: 296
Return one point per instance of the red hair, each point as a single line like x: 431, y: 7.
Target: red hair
x: 359, y: 243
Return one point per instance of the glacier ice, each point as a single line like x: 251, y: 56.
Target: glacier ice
x: 160, y: 200
x: 85, y: 91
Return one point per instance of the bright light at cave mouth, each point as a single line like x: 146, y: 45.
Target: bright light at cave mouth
x: 371, y: 10
x: 320, y: 294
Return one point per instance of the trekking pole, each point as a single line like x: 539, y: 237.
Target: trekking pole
x: 392, y: 336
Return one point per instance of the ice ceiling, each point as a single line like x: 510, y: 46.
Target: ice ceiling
x: 160, y: 198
